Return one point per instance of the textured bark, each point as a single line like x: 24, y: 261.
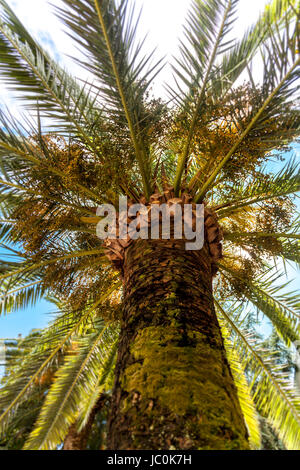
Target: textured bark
x: 116, y: 248
x: 173, y: 387
x: 75, y: 440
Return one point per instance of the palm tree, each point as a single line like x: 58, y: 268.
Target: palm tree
x: 165, y: 322
x: 22, y: 356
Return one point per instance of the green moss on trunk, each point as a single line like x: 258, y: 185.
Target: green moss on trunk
x: 174, y: 388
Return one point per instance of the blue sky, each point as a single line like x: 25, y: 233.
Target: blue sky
x: 40, y: 20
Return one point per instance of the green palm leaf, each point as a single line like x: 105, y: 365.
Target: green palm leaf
x: 273, y: 393
x: 283, y: 309
x: 107, y: 35
x: 208, y: 25
x: 76, y: 380
x: 238, y: 58
x: 244, y: 393
x: 13, y: 298
x: 43, y: 83
x: 278, y: 88
x: 285, y: 182
x: 44, y: 354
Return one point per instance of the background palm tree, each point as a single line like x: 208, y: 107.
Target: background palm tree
x: 20, y: 354
x: 175, y: 316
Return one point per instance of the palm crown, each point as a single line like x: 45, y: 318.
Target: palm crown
x: 110, y: 138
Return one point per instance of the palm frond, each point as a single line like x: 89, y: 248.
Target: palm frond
x: 290, y: 250
x: 26, y: 266
x: 208, y: 25
x: 18, y: 152
x: 15, y: 298
x: 237, y: 236
x: 286, y: 246
x: 283, y: 309
x: 235, y: 61
x: 46, y: 352
x: 272, y: 390
x: 243, y: 389
x: 278, y: 89
x: 106, y: 32
x: 75, y: 381
x: 105, y: 378
x: 269, y: 186
x: 44, y: 85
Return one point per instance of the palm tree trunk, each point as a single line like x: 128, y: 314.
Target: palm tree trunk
x: 173, y: 387
x: 75, y: 440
